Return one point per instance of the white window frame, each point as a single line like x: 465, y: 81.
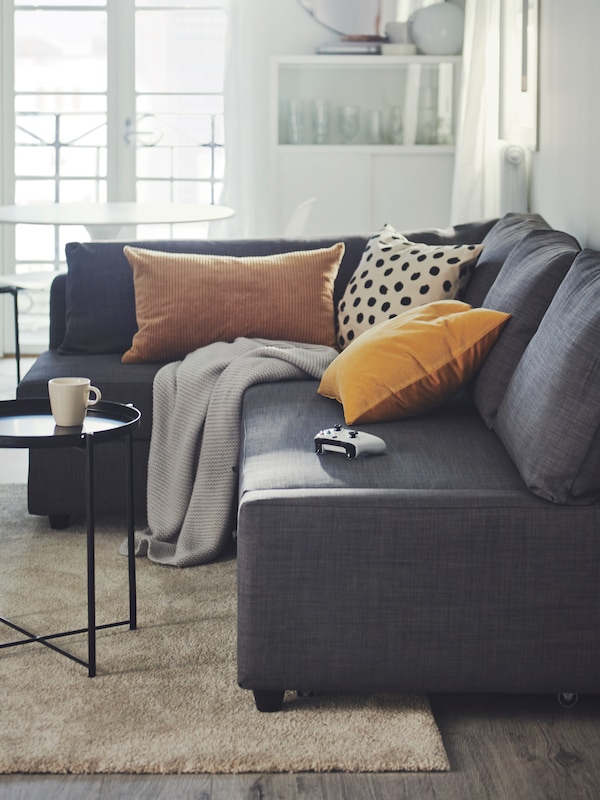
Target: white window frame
x: 121, y: 107
x: 7, y: 164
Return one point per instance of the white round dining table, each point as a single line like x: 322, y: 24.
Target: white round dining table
x: 104, y: 220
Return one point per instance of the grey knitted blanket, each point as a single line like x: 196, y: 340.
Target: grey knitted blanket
x: 192, y: 468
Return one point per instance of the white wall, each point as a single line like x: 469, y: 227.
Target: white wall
x: 566, y: 170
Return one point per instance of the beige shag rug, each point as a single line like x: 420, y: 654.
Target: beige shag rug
x: 165, y: 699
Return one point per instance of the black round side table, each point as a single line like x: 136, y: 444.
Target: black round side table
x: 29, y: 423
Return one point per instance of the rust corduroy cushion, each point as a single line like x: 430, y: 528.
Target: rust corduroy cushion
x: 413, y: 362
x: 184, y: 301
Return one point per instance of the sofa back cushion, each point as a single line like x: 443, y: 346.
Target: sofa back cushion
x: 99, y: 293
x: 549, y: 419
x: 524, y: 288
x: 497, y: 245
x: 100, y: 304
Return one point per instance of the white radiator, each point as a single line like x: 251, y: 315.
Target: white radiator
x: 513, y: 179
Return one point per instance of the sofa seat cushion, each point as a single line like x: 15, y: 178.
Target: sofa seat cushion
x: 445, y: 457
x: 549, y: 419
x: 524, y: 288
x: 118, y: 382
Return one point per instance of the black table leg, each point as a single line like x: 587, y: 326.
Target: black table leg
x: 91, y: 566
x: 130, y: 535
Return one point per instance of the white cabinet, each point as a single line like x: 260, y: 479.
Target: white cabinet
x: 371, y: 137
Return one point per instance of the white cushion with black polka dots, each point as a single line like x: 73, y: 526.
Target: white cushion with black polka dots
x: 396, y: 274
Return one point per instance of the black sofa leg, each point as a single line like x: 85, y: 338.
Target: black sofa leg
x: 59, y: 522
x: 568, y: 699
x: 268, y: 701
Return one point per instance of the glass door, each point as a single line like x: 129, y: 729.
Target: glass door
x: 112, y: 100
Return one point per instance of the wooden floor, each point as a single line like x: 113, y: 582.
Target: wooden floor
x: 500, y: 748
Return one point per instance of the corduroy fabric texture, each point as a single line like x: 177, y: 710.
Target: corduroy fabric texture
x: 92, y: 307
x: 185, y: 301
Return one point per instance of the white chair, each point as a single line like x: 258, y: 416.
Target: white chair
x: 296, y: 225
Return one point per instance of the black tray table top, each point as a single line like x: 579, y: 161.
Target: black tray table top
x: 29, y: 423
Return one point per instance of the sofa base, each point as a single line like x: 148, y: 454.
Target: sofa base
x: 56, y: 485
x: 358, y: 576
x: 410, y: 609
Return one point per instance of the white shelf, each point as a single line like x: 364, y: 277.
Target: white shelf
x: 375, y: 62
x: 361, y: 149
x: 397, y: 167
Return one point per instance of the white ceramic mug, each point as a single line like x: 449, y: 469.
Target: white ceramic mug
x: 70, y: 398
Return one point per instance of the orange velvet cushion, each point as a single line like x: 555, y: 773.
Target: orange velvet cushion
x: 411, y: 363
x: 184, y: 301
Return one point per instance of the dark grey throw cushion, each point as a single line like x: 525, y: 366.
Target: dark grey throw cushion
x: 524, y: 288
x: 549, y: 420
x: 100, y: 311
x: 497, y: 245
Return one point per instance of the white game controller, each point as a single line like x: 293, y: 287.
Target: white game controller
x: 349, y: 442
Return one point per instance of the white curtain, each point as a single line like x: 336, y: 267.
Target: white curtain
x: 246, y: 166
x: 476, y: 189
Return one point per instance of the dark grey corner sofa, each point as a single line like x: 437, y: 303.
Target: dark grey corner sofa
x: 464, y: 559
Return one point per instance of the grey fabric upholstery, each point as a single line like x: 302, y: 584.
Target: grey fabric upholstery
x: 431, y: 568
x: 58, y: 311
x: 466, y: 458
x: 56, y: 485
x: 497, y: 245
x: 524, y: 288
x: 353, y: 591
x: 549, y: 419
